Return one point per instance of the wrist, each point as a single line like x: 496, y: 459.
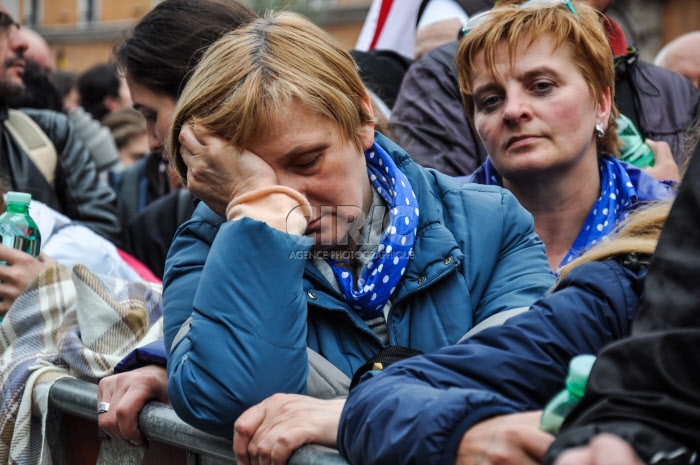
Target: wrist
x: 280, y: 207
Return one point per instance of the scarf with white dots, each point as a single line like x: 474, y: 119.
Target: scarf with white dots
x: 617, y: 199
x: 384, y: 271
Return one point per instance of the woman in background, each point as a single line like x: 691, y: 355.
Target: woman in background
x: 537, y: 81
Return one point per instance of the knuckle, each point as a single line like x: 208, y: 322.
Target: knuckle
x: 277, y: 399
x: 287, y: 441
x: 257, y: 449
x: 124, y: 416
x: 241, y: 427
x: 499, y: 455
x: 279, y: 456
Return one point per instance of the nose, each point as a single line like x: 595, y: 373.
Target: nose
x: 18, y: 43
x: 516, y: 108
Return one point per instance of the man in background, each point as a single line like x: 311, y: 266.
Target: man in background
x: 682, y: 55
x: 61, y: 174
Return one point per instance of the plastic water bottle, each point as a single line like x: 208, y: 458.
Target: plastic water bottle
x: 561, y: 404
x: 17, y: 229
x: 634, y: 151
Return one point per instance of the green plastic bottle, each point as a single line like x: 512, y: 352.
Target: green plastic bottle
x: 634, y: 151
x: 17, y: 229
x: 561, y: 404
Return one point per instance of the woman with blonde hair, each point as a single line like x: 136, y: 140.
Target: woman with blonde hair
x: 317, y: 237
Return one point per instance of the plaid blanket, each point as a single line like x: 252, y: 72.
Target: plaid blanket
x: 75, y: 324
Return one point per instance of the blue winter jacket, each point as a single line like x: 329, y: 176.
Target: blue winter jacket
x: 416, y: 411
x: 256, y: 303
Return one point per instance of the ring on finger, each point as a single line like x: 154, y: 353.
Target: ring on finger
x: 102, y: 407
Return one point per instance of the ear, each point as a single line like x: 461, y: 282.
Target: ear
x: 367, y: 129
x: 604, y: 108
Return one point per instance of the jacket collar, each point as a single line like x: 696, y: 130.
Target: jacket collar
x: 435, y: 251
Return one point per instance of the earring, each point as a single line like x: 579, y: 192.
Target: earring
x: 599, y: 131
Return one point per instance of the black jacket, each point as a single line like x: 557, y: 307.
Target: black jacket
x: 78, y: 192
x: 149, y: 234
x: 646, y: 389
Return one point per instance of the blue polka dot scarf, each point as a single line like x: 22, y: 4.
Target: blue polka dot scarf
x: 384, y: 271
x: 617, y: 198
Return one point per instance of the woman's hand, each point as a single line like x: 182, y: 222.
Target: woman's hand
x: 218, y: 172
x: 270, y: 431
x: 127, y: 393
x: 604, y: 449
x: 665, y: 167
x: 506, y: 439
x: 20, y: 271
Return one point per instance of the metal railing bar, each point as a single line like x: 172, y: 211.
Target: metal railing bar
x: 159, y: 422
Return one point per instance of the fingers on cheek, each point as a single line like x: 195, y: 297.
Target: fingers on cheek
x: 185, y: 131
x: 191, y: 176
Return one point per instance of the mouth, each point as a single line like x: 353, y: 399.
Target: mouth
x: 18, y: 64
x: 520, y: 141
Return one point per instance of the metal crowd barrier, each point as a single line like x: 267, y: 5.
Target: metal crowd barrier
x: 159, y: 424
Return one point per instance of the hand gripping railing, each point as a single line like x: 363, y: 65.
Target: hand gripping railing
x: 158, y: 422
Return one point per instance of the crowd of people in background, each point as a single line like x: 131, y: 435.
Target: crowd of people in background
x: 393, y: 250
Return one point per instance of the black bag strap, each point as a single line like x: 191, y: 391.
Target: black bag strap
x: 388, y: 355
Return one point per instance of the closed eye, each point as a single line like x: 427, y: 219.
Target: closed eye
x: 147, y: 114
x: 310, y: 164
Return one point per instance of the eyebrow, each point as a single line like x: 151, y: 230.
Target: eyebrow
x: 305, y: 149
x: 489, y: 87
x: 540, y: 71
x: 527, y: 76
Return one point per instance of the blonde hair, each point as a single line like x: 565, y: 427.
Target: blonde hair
x: 251, y: 76
x: 505, y: 24
x: 638, y: 233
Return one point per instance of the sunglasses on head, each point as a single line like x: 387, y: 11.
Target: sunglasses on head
x: 475, y: 20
